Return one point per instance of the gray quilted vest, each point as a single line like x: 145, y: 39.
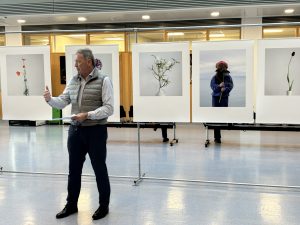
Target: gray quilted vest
x: 91, y: 97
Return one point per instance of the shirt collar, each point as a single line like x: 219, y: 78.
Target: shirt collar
x: 89, y: 76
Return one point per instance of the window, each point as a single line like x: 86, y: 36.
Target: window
x: 279, y: 32
x: 224, y: 34
x: 58, y: 42
x: 108, y: 39
x: 144, y: 37
x: 33, y: 39
x: 186, y: 35
x: 2, y: 40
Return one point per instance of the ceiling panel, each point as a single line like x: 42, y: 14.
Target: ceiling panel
x: 17, y: 7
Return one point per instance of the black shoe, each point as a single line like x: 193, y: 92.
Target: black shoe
x: 100, y: 213
x: 218, y: 141
x: 165, y: 139
x: 67, y: 211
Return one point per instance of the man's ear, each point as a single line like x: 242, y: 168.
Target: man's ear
x: 90, y: 62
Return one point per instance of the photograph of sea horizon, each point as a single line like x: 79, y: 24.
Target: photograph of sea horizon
x: 236, y: 60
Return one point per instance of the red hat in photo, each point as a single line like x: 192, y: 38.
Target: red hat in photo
x: 222, y: 65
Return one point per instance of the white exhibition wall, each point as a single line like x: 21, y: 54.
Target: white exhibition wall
x: 25, y: 71
x: 275, y: 62
x: 239, y: 57
x: 161, y: 79
x: 109, y: 57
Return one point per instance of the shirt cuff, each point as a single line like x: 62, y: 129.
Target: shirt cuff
x: 91, y: 115
x: 50, y: 102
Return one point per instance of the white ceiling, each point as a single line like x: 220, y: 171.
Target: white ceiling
x: 157, y: 15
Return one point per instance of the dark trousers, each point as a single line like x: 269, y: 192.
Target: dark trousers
x: 217, y: 102
x: 91, y: 140
x: 164, y: 132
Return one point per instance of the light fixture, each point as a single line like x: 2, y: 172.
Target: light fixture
x: 215, y: 14
x: 273, y: 30
x: 145, y: 17
x: 113, y: 39
x: 81, y: 19
x: 289, y: 11
x: 21, y: 21
x: 175, y: 34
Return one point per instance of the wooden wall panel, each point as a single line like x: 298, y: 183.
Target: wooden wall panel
x: 126, y: 81
x: 57, y: 87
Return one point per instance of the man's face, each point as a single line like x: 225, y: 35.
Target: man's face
x: 82, y: 65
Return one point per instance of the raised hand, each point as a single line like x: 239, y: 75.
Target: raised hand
x: 47, y: 95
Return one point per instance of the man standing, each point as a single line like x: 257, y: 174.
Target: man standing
x: 91, y: 97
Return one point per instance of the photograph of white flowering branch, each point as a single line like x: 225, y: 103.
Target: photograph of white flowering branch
x: 160, y: 73
x: 159, y: 68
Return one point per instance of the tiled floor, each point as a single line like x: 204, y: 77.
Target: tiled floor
x: 264, y: 158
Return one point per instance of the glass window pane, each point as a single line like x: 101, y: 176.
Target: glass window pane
x: 143, y: 37
x: 224, y: 34
x: 109, y: 39
x: 2, y: 40
x: 186, y: 35
x: 150, y: 37
x: 30, y: 39
x: 58, y: 42
x: 279, y: 32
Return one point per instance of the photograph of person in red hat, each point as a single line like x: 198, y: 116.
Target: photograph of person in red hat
x: 221, y: 85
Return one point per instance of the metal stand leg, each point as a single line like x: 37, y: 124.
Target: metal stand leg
x: 175, y: 140
x: 207, y: 138
x: 140, y: 177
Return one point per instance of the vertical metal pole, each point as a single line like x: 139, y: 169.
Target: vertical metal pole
x: 175, y: 140
x: 140, y: 177
x: 136, y: 35
x: 139, y: 149
x: 174, y: 130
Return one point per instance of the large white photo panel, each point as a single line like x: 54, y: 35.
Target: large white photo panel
x: 109, y: 57
x: 278, y: 81
x: 25, y: 71
x: 239, y: 57
x: 161, y: 79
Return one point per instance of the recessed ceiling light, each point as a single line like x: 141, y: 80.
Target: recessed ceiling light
x: 81, y: 19
x: 21, y: 21
x: 289, y: 11
x: 145, y: 17
x: 215, y: 14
